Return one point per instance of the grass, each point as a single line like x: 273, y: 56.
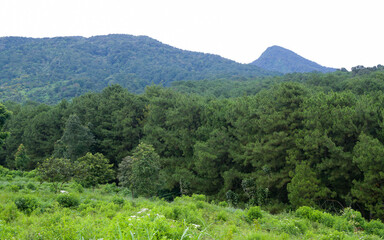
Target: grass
x: 103, y: 213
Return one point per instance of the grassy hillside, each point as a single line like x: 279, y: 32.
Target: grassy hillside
x: 50, y: 69
x: 30, y: 210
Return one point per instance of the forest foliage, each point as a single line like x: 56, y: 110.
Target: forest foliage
x: 302, y: 139
x: 51, y: 69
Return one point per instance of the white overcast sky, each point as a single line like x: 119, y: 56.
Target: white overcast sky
x: 334, y: 33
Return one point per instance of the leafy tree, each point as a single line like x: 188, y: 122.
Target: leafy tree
x: 22, y: 160
x: 57, y: 171
x: 94, y: 169
x: 141, y: 171
x: 77, y: 139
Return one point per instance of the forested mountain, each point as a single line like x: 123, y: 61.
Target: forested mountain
x: 50, y: 69
x: 282, y: 60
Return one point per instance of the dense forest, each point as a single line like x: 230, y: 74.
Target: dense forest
x: 299, y: 139
x: 50, y: 69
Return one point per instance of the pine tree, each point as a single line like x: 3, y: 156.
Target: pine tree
x: 76, y: 140
x: 22, y: 160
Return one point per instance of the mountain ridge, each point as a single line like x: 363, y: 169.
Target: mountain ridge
x: 276, y: 58
x: 50, y: 69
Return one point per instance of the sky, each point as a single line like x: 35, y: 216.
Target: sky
x: 333, y: 33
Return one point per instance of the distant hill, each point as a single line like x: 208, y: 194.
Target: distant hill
x: 282, y: 60
x: 50, y: 69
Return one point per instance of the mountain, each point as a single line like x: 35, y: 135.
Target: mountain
x: 282, y: 60
x: 50, y: 69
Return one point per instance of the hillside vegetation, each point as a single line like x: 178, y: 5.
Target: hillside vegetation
x: 31, y: 210
x: 300, y: 140
x: 51, y: 69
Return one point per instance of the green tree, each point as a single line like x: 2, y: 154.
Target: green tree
x: 4, y: 115
x: 76, y: 140
x: 94, y: 169
x: 22, y: 160
x: 141, y: 171
x: 368, y: 154
x: 304, y: 188
x: 57, y: 171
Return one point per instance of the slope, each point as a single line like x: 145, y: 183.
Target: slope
x: 282, y: 60
x: 50, y: 69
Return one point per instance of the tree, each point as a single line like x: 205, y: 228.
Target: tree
x: 56, y: 171
x: 304, y: 188
x: 141, y: 171
x: 22, y: 160
x: 368, y: 154
x: 76, y: 140
x: 94, y: 169
x: 4, y: 115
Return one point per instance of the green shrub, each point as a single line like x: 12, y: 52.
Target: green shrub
x: 374, y: 227
x: 290, y: 228
x: 223, y: 204
x: 31, y: 186
x: 77, y: 187
x: 222, y: 216
x: 9, y: 177
x: 13, y: 188
x: 30, y: 174
x: 9, y: 213
x: 254, y: 213
x: 3, y: 171
x: 110, y: 188
x: 343, y: 225
x: 316, y: 216
x: 199, y: 197
x: 68, y: 200
x: 354, y: 217
x: 118, y: 200
x: 326, y: 219
x: 26, y: 203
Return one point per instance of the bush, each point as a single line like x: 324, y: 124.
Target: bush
x: 13, y: 188
x: 30, y: 174
x: 31, y: 186
x: 118, y: 200
x: 198, y: 197
x: 26, y: 203
x: 354, y: 217
x: 9, y: 177
x: 3, y: 171
x: 110, y: 188
x: 343, y: 225
x: 9, y: 213
x: 68, y: 200
x: 316, y: 216
x: 223, y: 204
x: 254, y: 213
x: 222, y: 216
x: 77, y: 187
x: 374, y: 227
